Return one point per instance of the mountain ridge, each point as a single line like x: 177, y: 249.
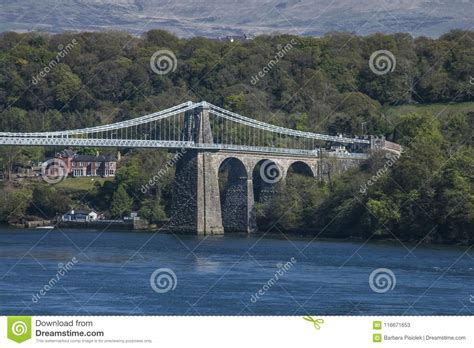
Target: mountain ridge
x: 213, y: 18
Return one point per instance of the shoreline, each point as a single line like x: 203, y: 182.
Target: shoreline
x: 298, y: 235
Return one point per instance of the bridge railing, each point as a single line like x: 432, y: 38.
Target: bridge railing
x: 274, y: 150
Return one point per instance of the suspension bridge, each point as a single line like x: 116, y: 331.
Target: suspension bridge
x: 212, y: 140
x: 177, y: 127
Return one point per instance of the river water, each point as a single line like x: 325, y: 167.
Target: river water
x: 110, y: 273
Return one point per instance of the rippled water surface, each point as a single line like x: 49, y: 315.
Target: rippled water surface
x: 222, y: 275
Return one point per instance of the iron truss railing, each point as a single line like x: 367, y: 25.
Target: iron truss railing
x: 168, y: 129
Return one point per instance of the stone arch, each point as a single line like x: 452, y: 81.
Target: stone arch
x: 236, y: 197
x: 301, y: 168
x: 227, y: 160
x: 266, y: 174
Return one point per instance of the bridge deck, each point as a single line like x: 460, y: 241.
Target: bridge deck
x: 169, y: 145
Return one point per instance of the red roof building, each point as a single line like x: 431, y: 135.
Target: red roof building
x: 88, y: 165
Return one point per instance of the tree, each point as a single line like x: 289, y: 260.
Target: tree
x: 14, y: 205
x: 87, y: 151
x: 47, y: 201
x: 152, y: 210
x: 66, y: 84
x: 121, y: 202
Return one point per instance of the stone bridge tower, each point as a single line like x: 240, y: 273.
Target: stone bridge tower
x: 196, y: 201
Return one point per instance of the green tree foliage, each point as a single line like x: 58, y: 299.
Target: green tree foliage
x: 47, y: 201
x: 427, y: 194
x: 14, y: 205
x: 153, y: 210
x: 108, y: 73
x: 121, y: 203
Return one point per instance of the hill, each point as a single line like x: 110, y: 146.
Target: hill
x: 214, y: 18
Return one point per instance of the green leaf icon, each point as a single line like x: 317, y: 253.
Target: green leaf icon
x: 19, y: 328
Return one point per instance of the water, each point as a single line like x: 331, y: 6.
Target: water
x: 219, y: 275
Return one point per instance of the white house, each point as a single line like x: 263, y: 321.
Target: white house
x: 80, y: 216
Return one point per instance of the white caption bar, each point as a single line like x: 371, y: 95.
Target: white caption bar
x: 238, y: 332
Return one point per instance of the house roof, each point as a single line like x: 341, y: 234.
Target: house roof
x: 80, y: 212
x: 67, y: 153
x: 92, y: 158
